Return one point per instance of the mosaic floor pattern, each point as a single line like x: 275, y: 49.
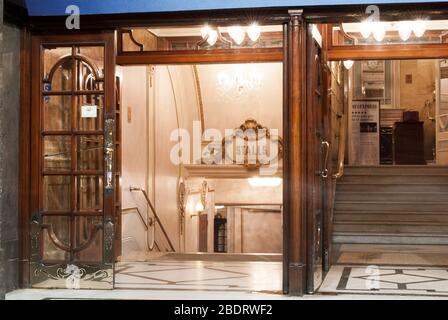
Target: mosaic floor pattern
x: 200, y: 275
x: 421, y: 281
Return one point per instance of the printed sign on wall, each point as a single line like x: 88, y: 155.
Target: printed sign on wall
x: 364, y: 133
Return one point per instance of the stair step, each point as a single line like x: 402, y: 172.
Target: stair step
x: 385, y: 238
x: 388, y: 218
x: 396, y: 170
x: 391, y: 228
x: 392, y: 188
x: 391, y: 206
x: 396, y: 196
x: 394, y: 179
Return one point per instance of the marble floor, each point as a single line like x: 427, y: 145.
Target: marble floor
x: 245, y: 276
x: 401, y: 255
x: 387, y: 280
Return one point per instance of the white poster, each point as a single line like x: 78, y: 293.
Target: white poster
x: 364, y: 135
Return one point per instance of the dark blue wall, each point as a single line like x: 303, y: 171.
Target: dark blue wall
x: 57, y: 7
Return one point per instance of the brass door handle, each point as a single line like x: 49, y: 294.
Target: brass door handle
x: 326, y: 145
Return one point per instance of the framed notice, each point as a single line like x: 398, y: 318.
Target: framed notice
x: 364, y: 128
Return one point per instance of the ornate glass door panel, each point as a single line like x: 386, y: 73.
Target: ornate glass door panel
x: 73, y: 172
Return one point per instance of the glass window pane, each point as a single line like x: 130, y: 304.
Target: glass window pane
x: 90, y: 110
x: 90, y: 68
x: 57, y: 153
x: 60, y: 78
x: 89, y: 237
x: 56, y: 193
x: 89, y: 151
x: 89, y: 193
x: 56, y: 237
x: 57, y: 113
x: 52, y: 55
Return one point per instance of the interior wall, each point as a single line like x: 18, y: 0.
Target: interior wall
x: 134, y: 156
x: 417, y: 86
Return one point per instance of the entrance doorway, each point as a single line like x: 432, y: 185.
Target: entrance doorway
x: 213, y: 216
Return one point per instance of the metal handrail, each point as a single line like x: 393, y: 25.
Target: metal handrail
x: 133, y: 189
x: 148, y: 224
x: 342, y: 146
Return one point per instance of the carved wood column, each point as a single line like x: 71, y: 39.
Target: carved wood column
x: 295, y: 157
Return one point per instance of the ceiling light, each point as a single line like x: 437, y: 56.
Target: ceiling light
x: 379, y: 31
x: 348, y: 64
x: 237, y: 33
x: 212, y: 37
x: 254, y: 31
x: 366, y: 28
x: 219, y: 207
x: 419, y: 27
x: 265, y: 181
x: 404, y: 29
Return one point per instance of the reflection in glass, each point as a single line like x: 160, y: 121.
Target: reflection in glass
x: 56, y: 237
x: 89, y: 152
x: 56, y: 193
x: 89, y: 193
x: 57, y: 113
x: 89, y: 236
x: 57, y: 153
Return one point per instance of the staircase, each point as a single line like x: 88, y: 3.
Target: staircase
x: 392, y: 205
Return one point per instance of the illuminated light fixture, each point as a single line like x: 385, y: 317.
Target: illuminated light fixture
x: 419, y: 27
x: 265, y: 181
x: 204, y: 31
x: 219, y: 207
x: 254, y: 31
x: 348, y: 64
x: 366, y: 28
x: 199, y: 206
x: 212, y: 37
x: 404, y: 29
x: 237, y: 33
x: 379, y: 31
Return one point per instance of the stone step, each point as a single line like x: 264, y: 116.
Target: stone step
x: 395, y: 196
x: 387, y: 238
x: 396, y: 170
x: 391, y: 227
x: 394, y: 179
x: 395, y: 206
x: 381, y: 218
x: 391, y: 188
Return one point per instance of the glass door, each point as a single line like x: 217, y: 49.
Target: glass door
x: 73, y: 195
x: 318, y: 149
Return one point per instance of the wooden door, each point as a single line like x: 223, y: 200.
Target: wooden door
x: 317, y: 148
x: 203, y: 233
x: 73, y: 191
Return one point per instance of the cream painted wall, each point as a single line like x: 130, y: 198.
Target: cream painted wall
x: 134, y: 155
x: 261, y: 231
x: 238, y: 191
x: 229, y: 98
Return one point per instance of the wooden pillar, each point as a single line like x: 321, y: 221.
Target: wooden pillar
x: 295, y: 158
